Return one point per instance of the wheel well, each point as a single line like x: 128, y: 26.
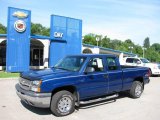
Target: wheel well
x: 140, y: 79
x: 71, y: 89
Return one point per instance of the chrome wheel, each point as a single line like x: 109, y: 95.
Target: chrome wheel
x: 65, y: 104
x: 138, y: 90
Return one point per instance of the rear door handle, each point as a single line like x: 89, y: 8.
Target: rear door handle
x: 105, y: 76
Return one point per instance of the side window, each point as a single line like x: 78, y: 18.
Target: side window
x: 129, y: 60
x: 136, y: 61
x: 111, y: 62
x: 97, y: 64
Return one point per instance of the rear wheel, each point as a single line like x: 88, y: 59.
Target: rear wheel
x: 63, y: 103
x: 136, y: 89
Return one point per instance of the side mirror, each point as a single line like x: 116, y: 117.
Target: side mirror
x: 138, y: 62
x: 89, y: 70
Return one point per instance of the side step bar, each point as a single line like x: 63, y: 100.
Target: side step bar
x: 99, y: 99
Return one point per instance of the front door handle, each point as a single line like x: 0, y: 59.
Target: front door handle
x: 105, y: 76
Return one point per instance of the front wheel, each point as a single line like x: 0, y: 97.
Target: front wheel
x: 136, y: 89
x: 63, y: 103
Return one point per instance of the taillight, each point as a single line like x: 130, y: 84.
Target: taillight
x: 149, y: 72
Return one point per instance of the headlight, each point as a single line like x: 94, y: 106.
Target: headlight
x: 35, y: 86
x: 155, y: 67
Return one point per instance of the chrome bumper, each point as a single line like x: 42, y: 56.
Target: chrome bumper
x: 41, y: 100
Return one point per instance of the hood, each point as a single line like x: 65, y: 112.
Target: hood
x: 45, y: 74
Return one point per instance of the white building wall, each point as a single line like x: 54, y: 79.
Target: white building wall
x: 46, y: 44
x: 95, y: 50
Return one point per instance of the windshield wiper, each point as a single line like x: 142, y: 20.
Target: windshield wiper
x: 62, y: 68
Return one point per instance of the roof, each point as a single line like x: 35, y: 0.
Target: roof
x: 109, y: 49
x: 3, y: 35
x: 32, y: 36
x: 39, y: 36
x: 94, y: 55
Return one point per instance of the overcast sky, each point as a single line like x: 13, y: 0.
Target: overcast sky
x: 118, y: 19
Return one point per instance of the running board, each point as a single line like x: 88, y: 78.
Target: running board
x: 99, y: 99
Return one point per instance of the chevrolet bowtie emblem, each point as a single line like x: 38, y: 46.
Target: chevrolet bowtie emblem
x: 20, y: 14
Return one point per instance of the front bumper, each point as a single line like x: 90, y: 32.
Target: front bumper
x: 41, y: 100
x: 156, y: 72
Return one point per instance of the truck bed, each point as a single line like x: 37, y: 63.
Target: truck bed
x: 126, y: 66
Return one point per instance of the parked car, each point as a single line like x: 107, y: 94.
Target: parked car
x: 135, y: 61
x: 80, y: 79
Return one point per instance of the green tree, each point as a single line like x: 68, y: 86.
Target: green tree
x: 37, y: 28
x: 90, y: 39
x: 146, y: 43
x: 105, y: 42
x: 3, y: 29
x: 156, y: 47
x: 152, y: 55
x: 115, y: 44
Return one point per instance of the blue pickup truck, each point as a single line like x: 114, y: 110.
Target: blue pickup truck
x: 80, y: 79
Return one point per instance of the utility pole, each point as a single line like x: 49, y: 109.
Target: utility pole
x: 143, y: 48
x: 97, y: 39
x: 130, y: 47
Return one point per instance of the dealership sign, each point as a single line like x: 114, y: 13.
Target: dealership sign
x: 58, y: 35
x: 20, y: 14
x: 20, y: 26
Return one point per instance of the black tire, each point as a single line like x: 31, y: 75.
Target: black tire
x: 63, y: 103
x: 151, y: 75
x: 136, y: 89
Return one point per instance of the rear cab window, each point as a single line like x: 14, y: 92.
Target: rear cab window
x: 129, y: 60
x: 112, y: 64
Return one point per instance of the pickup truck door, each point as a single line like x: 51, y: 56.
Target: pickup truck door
x: 94, y: 83
x: 115, y: 75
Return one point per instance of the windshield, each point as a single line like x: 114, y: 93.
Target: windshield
x: 145, y: 60
x: 72, y: 63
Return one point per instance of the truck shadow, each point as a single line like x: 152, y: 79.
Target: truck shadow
x: 39, y: 111
x: 47, y: 111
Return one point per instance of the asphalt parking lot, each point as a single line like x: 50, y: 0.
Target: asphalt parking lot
x: 124, y: 108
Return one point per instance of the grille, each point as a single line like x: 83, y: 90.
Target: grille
x: 24, y: 83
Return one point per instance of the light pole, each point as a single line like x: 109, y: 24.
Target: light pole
x: 97, y: 39
x: 130, y: 47
x: 143, y: 48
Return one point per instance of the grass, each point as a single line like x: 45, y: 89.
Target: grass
x: 8, y: 75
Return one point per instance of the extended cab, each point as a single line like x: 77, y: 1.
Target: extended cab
x: 80, y: 79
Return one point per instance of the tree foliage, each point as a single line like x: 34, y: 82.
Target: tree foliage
x: 146, y: 43
x: 37, y: 28
x: 152, y: 52
x: 2, y: 29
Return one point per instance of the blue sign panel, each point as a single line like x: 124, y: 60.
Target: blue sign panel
x: 66, y: 38
x: 18, y: 40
